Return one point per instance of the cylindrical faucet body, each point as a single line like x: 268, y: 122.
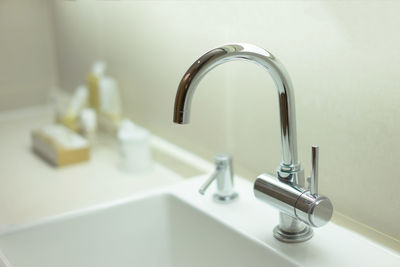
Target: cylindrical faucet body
x: 297, y: 202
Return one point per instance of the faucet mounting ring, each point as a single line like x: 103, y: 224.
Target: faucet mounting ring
x: 297, y: 237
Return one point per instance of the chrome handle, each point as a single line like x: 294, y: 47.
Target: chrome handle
x: 314, y: 170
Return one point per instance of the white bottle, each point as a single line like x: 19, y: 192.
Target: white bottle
x: 110, y: 102
x: 89, y: 125
x: 77, y: 102
x: 105, y: 98
x: 134, y: 148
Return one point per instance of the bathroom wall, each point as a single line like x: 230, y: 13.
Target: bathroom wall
x: 27, y: 66
x: 343, y: 58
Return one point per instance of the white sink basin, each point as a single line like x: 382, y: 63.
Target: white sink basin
x: 159, y: 230
x: 175, y: 226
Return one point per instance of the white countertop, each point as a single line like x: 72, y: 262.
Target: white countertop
x: 30, y: 188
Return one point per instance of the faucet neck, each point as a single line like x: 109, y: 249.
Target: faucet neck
x: 217, y: 56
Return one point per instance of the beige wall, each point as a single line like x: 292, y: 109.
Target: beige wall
x: 27, y: 56
x: 343, y: 57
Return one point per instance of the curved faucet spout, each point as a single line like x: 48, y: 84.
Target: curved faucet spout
x: 263, y: 58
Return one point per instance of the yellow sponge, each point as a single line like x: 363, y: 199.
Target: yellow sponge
x: 59, y: 145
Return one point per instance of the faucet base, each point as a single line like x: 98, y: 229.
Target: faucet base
x: 225, y: 199
x: 296, y: 237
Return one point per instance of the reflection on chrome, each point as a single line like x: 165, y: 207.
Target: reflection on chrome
x: 299, y: 207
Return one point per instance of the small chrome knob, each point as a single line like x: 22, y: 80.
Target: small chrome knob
x: 313, y: 209
x: 321, y: 212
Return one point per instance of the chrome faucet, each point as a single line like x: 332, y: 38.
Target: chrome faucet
x: 299, y: 208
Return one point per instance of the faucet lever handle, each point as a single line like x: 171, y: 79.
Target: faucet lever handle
x: 314, y: 170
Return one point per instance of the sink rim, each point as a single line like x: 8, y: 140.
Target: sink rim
x: 163, y: 192
x: 257, y: 229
